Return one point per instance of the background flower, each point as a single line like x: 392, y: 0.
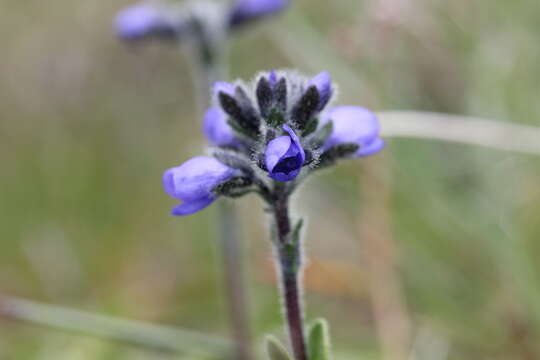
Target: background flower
x: 247, y: 10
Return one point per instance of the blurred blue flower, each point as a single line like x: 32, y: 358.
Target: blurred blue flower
x: 193, y: 182
x: 354, y: 125
x: 284, y: 156
x: 244, y: 11
x: 143, y: 20
x: 323, y: 83
x: 216, y: 129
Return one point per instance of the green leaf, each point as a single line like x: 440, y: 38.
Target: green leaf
x: 319, y: 341
x: 275, y: 350
x: 297, y: 231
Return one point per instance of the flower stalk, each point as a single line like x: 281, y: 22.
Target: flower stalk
x: 268, y: 136
x: 289, y: 264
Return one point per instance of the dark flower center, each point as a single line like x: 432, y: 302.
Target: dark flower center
x: 288, y: 164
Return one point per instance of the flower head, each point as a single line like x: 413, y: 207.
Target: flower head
x: 354, y: 125
x: 216, y: 129
x: 284, y: 156
x: 193, y: 183
x: 143, y: 20
x: 244, y: 11
x: 269, y: 132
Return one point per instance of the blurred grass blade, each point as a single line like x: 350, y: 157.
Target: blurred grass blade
x: 319, y: 341
x: 111, y: 328
x: 461, y: 129
x: 275, y: 350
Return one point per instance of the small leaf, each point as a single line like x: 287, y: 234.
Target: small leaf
x: 229, y: 105
x: 243, y: 118
x: 275, y: 350
x: 295, y: 236
x: 306, y: 107
x: 265, y: 96
x: 311, y: 126
x: 281, y: 94
x: 340, y: 151
x: 234, y: 188
x: 319, y: 341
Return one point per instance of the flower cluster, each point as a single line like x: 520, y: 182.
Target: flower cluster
x: 166, y: 20
x: 267, y: 134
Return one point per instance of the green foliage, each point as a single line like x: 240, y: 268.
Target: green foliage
x: 319, y: 341
x: 275, y: 350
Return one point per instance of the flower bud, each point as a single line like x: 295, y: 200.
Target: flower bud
x: 284, y: 156
x: 354, y: 125
x: 224, y: 87
x: 144, y: 20
x: 193, y: 183
x: 245, y: 11
x: 323, y: 83
x: 216, y: 129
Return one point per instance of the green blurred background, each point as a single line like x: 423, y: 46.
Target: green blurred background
x: 88, y: 125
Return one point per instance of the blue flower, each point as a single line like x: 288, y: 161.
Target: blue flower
x: 216, y: 129
x: 244, y: 11
x: 284, y: 156
x: 323, y: 83
x: 193, y: 182
x: 354, y: 125
x: 143, y: 20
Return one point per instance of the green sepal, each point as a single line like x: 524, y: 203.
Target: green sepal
x: 234, y: 188
x: 275, y: 118
x: 319, y: 341
x: 275, y: 350
x: 311, y: 126
x: 336, y: 153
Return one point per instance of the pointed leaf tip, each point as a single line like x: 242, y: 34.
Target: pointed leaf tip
x: 275, y: 350
x: 319, y: 341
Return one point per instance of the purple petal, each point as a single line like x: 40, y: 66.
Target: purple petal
x: 191, y: 207
x: 373, y: 148
x: 352, y: 124
x: 247, y: 10
x: 224, y: 87
x: 272, y: 78
x: 297, y: 148
x: 195, y: 179
x: 216, y: 129
x: 284, y: 156
x: 275, y: 150
x: 323, y: 83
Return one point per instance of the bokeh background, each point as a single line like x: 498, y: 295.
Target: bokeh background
x: 429, y: 244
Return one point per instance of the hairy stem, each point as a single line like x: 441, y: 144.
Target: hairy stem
x: 290, y: 270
